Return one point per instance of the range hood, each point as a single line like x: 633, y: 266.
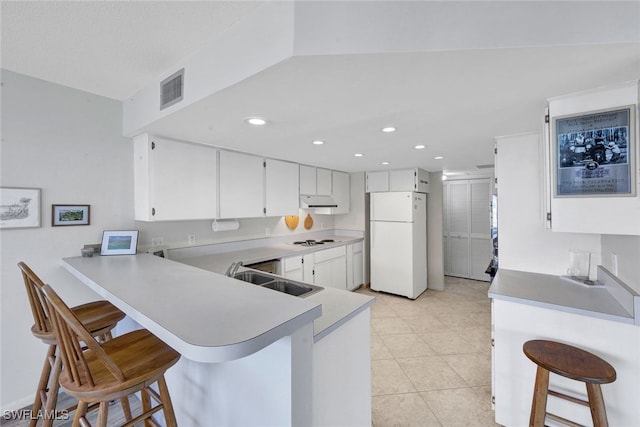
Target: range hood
x: 308, y: 202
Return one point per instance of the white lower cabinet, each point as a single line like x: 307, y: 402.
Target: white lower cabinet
x: 328, y: 267
x: 355, y: 265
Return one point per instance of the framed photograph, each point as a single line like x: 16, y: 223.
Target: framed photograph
x: 19, y: 207
x: 69, y: 215
x: 594, y: 153
x: 119, y: 242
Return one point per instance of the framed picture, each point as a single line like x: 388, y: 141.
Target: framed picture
x: 69, y: 215
x: 119, y: 242
x: 19, y: 207
x: 594, y: 153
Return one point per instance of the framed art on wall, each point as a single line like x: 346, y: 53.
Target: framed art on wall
x: 62, y: 215
x: 594, y: 153
x: 19, y: 207
x: 120, y: 242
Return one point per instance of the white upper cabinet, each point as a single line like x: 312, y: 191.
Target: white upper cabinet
x: 315, y: 181
x: 241, y: 185
x: 323, y: 182
x: 398, y: 180
x: 281, y: 188
x: 165, y: 174
x: 341, y: 192
x: 307, y: 180
x: 377, y: 181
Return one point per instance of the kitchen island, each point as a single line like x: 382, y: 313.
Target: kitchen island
x: 602, y: 319
x: 249, y: 356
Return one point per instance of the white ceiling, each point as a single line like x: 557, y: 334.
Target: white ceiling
x: 455, y: 101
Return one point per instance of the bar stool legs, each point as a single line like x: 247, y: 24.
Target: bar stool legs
x: 570, y: 362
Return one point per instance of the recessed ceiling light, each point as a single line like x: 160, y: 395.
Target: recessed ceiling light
x: 256, y: 121
x: 388, y: 129
x: 420, y: 147
x: 317, y: 142
x: 359, y: 155
x: 438, y: 157
x: 384, y: 163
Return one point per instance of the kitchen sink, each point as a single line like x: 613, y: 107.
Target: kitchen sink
x: 277, y: 283
x: 255, y: 278
x: 288, y: 287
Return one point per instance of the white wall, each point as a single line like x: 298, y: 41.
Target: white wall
x: 524, y: 242
x: 435, y: 227
x: 69, y: 144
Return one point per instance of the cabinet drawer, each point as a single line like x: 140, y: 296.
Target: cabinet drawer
x: 332, y: 253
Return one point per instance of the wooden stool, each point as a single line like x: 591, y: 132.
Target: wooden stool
x: 569, y: 362
x: 100, y: 373
x: 99, y: 317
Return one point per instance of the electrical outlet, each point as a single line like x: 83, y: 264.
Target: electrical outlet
x: 267, y: 232
x: 192, y: 239
x: 157, y: 241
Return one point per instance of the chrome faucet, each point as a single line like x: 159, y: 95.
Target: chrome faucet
x: 233, y: 268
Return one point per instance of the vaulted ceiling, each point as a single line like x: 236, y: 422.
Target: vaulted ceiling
x: 448, y: 75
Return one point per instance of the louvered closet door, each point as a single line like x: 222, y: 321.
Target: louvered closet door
x: 458, y: 228
x: 480, y: 235
x: 467, y: 228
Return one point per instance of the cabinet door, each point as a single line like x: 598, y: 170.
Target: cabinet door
x: 292, y: 268
x: 165, y: 174
x: 281, y: 188
x: 241, y: 185
x: 341, y: 192
x: 377, y: 181
x: 307, y: 180
x: 330, y: 267
x: 459, y: 228
x: 402, y: 180
x: 323, y: 182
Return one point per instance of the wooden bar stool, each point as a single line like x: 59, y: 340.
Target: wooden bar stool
x: 102, y: 372
x: 569, y: 362
x: 99, y: 317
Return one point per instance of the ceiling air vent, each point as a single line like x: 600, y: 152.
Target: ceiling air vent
x: 171, y: 89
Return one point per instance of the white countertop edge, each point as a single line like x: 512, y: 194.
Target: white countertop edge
x: 329, y: 329
x: 629, y: 320
x: 199, y: 353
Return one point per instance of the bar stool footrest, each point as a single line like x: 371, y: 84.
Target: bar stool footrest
x: 569, y: 398
x: 563, y: 420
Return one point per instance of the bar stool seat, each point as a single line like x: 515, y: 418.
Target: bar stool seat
x: 100, y: 373
x: 570, y: 362
x: 99, y: 317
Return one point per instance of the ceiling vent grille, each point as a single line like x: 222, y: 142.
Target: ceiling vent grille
x: 171, y: 89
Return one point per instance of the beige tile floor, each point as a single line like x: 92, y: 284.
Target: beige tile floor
x: 431, y: 358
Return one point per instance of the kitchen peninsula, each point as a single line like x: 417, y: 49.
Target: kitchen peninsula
x: 249, y: 353
x: 603, y: 319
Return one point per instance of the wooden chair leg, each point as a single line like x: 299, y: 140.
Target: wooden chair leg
x: 167, y: 406
x: 596, y: 404
x: 52, y: 395
x: 146, y: 406
x: 42, y: 386
x: 539, y: 405
x: 81, y: 411
x: 126, y: 408
x: 103, y: 414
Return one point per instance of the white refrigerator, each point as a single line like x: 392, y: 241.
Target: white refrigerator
x: 398, y: 236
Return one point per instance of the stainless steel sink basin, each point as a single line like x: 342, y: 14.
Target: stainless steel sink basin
x: 277, y: 283
x: 288, y: 287
x: 255, y: 278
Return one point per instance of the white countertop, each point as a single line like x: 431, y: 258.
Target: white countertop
x: 612, y: 301
x: 204, y: 316
x: 338, y: 306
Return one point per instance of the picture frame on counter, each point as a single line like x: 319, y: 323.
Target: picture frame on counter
x: 119, y: 242
x: 594, y: 153
x: 19, y: 207
x: 66, y: 215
